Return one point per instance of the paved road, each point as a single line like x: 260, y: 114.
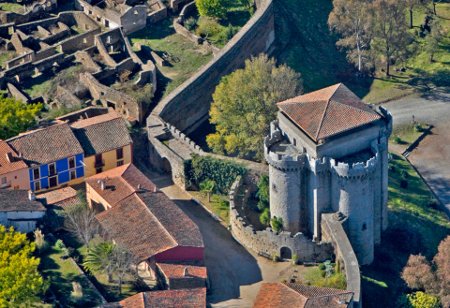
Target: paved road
x: 235, y: 274
x: 432, y: 156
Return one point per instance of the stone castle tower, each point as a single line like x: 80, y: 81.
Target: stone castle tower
x: 328, y: 152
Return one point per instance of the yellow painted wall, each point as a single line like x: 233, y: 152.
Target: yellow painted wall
x: 110, y: 160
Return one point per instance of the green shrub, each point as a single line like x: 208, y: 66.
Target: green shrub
x: 208, y: 27
x: 222, y: 172
x: 275, y: 258
x: 397, y: 140
x: 264, y: 218
x: 418, y: 128
x: 263, y: 193
x: 190, y: 23
x: 60, y: 244
x: 227, y: 34
x: 294, y: 258
x: 418, y: 300
x: 276, y: 224
x: 322, y: 266
x: 212, y: 8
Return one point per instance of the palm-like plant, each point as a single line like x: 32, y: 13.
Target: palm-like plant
x: 99, y: 259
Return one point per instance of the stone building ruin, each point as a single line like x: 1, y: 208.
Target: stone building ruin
x: 328, y: 153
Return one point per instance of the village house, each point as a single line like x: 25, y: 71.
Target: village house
x: 19, y: 209
x: 143, y: 220
x: 188, y: 298
x: 275, y: 295
x: 105, y: 141
x: 53, y: 155
x: 13, y: 170
x: 181, y: 276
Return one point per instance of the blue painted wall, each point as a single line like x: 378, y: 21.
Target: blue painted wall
x: 62, y: 171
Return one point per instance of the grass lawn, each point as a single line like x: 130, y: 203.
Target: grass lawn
x: 404, y: 135
x: 187, y: 56
x: 314, y: 276
x: 415, y: 226
x: 61, y: 273
x: 12, y: 7
x: 306, y: 44
x: 108, y: 289
x: 218, y: 205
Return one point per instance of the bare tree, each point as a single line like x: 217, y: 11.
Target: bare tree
x: 80, y: 220
x: 352, y: 20
x: 418, y: 273
x: 390, y: 35
x: 123, y: 264
x: 442, y: 261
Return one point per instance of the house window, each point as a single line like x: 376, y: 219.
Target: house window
x: 108, y: 39
x: 98, y: 170
x: 36, y: 173
x: 71, y: 162
x: 3, y: 180
x: 53, y: 181
x: 120, y: 163
x: 73, y: 175
x: 37, y: 186
x: 52, y: 169
x: 119, y: 153
x: 364, y: 227
x: 98, y: 161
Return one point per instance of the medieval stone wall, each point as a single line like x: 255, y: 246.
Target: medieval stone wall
x: 194, y: 95
x: 267, y: 242
x: 333, y: 231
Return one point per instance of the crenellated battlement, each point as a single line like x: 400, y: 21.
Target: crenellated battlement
x: 355, y: 170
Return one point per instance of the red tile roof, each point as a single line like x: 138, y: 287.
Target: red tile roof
x: 102, y: 133
x: 184, y: 298
x: 179, y: 270
x: 60, y: 197
x: 274, y: 295
x: 328, y: 112
x: 143, y: 220
x: 46, y: 145
x: 9, y: 161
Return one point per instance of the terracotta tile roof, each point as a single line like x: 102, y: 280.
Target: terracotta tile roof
x: 47, y: 144
x: 60, y: 197
x: 120, y: 183
x: 178, y: 270
x: 102, y: 133
x: 273, y: 295
x: 134, y: 227
x: 184, y: 298
x: 144, y: 220
x: 17, y: 200
x: 9, y: 161
x: 328, y: 112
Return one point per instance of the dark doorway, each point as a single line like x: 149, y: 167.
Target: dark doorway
x: 285, y: 253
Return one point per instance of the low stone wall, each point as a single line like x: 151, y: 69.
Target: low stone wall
x: 267, y: 242
x: 333, y: 231
x: 181, y: 30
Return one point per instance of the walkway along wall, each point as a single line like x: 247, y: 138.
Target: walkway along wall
x: 333, y: 231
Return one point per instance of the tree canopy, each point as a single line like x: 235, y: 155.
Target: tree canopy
x: 20, y: 281
x: 16, y: 117
x: 212, y: 8
x: 244, y: 104
x: 420, y: 275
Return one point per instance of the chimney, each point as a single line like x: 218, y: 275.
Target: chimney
x: 139, y: 187
x: 186, y: 272
x: 102, y: 185
x: 31, y: 196
x: 155, y: 189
